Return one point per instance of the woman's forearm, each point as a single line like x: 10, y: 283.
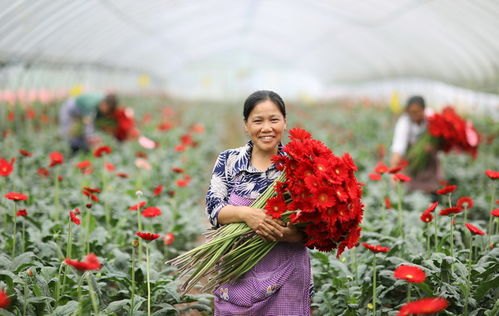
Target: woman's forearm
x: 232, y: 214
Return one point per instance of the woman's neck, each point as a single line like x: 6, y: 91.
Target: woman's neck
x: 262, y: 160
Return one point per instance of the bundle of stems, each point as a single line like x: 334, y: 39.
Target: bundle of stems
x: 231, y: 251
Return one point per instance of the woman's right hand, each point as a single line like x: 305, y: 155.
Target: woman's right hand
x: 264, y: 225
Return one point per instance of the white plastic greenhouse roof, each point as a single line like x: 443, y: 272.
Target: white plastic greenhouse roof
x: 336, y: 41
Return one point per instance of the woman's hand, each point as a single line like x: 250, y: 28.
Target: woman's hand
x: 293, y: 234
x: 268, y: 228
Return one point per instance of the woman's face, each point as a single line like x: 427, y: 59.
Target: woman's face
x: 416, y: 113
x: 265, y: 125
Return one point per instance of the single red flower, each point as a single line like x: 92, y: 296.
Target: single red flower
x: 495, y: 212
x: 492, y: 174
x: 73, y: 216
x: 147, y: 235
x: 4, y: 299
x: 90, y: 195
x: 401, y: 177
x: 16, y: 196
x: 447, y: 189
x: 431, y: 208
x: 157, y: 190
x: 426, y: 217
x: 450, y: 211
x: 168, y: 239
x: 410, y: 274
x: 180, y: 148
x: 123, y: 175
x: 102, y: 150
x: 25, y: 153
x: 177, y: 170
x: 374, y: 176
x: 22, y: 213
x: 474, y: 230
x: 56, y: 158
x: 276, y: 206
x: 424, y: 306
x: 137, y: 206
x: 91, y: 262
x: 43, y: 172
x: 82, y: 165
x: 5, y: 168
x: 395, y: 170
x: 388, y: 203
x: 92, y: 190
x: 109, y: 167
x: 381, y: 168
x: 465, y: 202
x: 184, y: 181
x: 375, y: 248
x: 151, y: 211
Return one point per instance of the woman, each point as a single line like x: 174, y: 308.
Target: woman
x: 410, y: 126
x: 280, y: 283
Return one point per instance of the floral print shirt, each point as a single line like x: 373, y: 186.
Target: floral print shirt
x: 233, y: 174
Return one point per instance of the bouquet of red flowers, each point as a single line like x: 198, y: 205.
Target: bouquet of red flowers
x: 317, y: 192
x: 446, y: 131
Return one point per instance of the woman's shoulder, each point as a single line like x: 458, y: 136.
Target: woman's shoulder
x: 234, y: 157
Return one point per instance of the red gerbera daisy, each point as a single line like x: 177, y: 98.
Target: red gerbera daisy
x: 137, y: 206
x: 25, y: 153
x: 109, y: 167
x: 5, y: 167
x: 401, y: 177
x: 157, y: 190
x: 16, y: 196
x: 147, y: 235
x: 492, y: 174
x: 168, y: 239
x: 275, y: 206
x: 151, y: 211
x: 410, y: 274
x: 395, y: 170
x: 431, y: 208
x: 4, y: 299
x: 56, y: 158
x: 388, y: 203
x: 43, y: 172
x: 299, y: 134
x: 424, y: 306
x: 447, y: 189
x: 73, y: 216
x: 22, y: 213
x: 426, y: 217
x: 495, y: 212
x: 375, y: 248
x: 474, y: 230
x: 374, y: 176
x: 91, y: 262
x: 184, y: 181
x: 465, y: 202
x: 381, y: 168
x: 450, y: 211
x: 177, y: 170
x: 102, y: 150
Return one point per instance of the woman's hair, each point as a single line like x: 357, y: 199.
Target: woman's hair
x: 416, y: 100
x: 259, y: 96
x: 112, y: 101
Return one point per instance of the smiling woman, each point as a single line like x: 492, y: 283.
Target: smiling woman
x: 280, y: 283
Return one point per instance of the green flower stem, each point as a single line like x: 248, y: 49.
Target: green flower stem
x: 24, y: 234
x: 435, y: 226
x: 139, y: 226
x: 468, y: 279
x: 491, y: 207
x: 87, y: 235
x: 427, y: 240
x: 399, y: 206
x: 374, y: 285
x: 449, y: 199
x: 69, y: 242
x: 409, y: 291
x: 56, y: 193
x: 58, y: 288
x: 14, y: 235
x: 91, y: 291
x: 25, y: 297
x: 452, y: 242
x: 80, y: 303
x: 148, y: 281
x: 132, y: 299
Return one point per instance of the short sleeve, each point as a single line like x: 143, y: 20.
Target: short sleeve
x: 218, y: 192
x: 401, y: 135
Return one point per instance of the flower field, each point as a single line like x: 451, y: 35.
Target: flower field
x: 90, y: 234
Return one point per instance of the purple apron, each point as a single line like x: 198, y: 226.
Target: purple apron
x: 278, y: 285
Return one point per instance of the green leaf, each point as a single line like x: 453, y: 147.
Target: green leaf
x: 116, y: 306
x: 66, y: 310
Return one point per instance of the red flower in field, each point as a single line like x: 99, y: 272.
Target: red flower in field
x: 89, y: 192
x: 43, y: 172
x: 410, y: 274
x: 180, y: 148
x: 22, y: 213
x: 157, y: 190
x: 92, y: 190
x: 137, y: 206
x: 25, y: 153
x: 5, y: 167
x: 4, y: 299
x: 374, y: 176
x: 494, y: 175
x: 102, y: 150
x: 184, y: 181
x: 426, y: 217
x: 177, y: 170
x: 465, y: 202
x: 431, y: 208
x: 168, y: 239
x: 151, y: 211
x: 109, y: 167
x: 474, y: 230
x: 388, y: 203
x: 447, y: 189
x: 450, y: 211
x: 91, y: 262
x: 73, y: 216
x: 147, y: 236
x: 82, y: 165
x: 375, y: 248
x: 123, y: 175
x: 197, y: 128
x: 186, y: 140
x: 381, y: 168
x: 401, y: 177
x: 430, y: 305
x: 395, y: 170
x: 495, y: 212
x: 56, y: 158
x: 16, y: 196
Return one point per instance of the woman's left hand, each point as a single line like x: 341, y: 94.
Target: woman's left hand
x: 292, y: 234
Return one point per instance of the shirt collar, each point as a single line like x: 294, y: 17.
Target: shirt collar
x: 244, y: 164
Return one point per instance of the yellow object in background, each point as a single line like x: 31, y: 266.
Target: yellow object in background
x: 395, y: 103
x: 76, y: 90
x: 144, y: 80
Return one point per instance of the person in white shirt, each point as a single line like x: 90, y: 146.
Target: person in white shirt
x: 409, y: 127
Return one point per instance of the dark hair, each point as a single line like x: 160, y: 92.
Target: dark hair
x: 259, y: 96
x: 415, y: 100
x: 112, y: 101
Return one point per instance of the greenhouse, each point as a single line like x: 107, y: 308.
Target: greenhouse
x: 253, y: 157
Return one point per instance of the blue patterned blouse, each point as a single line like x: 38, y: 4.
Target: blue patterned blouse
x: 234, y: 174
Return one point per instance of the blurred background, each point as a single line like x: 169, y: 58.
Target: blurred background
x: 369, y: 51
